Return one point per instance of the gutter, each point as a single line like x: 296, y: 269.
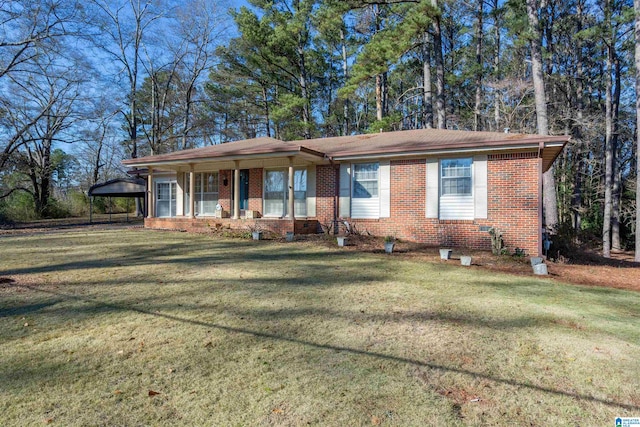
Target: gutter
x: 540, y: 196
x: 336, y: 195
x: 434, y: 152
x: 185, y: 161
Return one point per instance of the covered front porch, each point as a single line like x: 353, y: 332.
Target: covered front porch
x: 269, y: 188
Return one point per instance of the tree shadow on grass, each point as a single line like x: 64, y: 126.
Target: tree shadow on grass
x: 350, y: 350
x: 26, y: 309
x: 219, y: 253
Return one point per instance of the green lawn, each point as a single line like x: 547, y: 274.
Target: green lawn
x: 236, y: 332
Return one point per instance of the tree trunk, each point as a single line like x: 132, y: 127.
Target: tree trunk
x: 550, y: 203
x: 636, y: 6
x: 427, y: 99
x: 616, y: 190
x: 477, y: 125
x: 266, y: 111
x: 345, y: 76
x: 437, y: 47
x: 576, y: 199
x: 306, y: 113
x: 496, y: 67
x: 379, y: 97
x: 608, y: 150
x: 187, y: 114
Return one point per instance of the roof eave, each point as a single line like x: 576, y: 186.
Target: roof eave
x: 434, y: 152
x: 302, y: 151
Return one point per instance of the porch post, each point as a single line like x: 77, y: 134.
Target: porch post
x: 192, y: 190
x: 236, y: 190
x: 291, y: 192
x: 150, y: 195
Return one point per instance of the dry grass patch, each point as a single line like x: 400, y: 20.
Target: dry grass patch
x: 133, y: 327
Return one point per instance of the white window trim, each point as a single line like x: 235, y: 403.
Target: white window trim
x: 440, y: 177
x: 285, y: 170
x: 199, y: 196
x: 352, y: 189
x: 466, y: 198
x: 172, y: 182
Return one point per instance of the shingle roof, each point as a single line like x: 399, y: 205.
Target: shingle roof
x: 387, y: 143
x: 418, y: 140
x: 244, y: 147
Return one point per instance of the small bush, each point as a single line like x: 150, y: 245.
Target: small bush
x: 18, y: 207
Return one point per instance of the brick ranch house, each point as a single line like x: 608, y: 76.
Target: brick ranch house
x: 439, y: 187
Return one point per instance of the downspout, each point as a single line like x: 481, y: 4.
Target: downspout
x: 336, y: 195
x: 540, y: 192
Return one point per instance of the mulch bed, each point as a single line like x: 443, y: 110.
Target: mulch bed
x: 584, y: 267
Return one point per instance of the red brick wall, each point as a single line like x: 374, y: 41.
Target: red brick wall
x: 255, y: 190
x: 512, y: 206
x: 224, y: 191
x: 326, y: 181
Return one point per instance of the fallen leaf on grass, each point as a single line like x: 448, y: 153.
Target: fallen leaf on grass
x: 117, y: 392
x: 153, y: 393
x: 48, y: 420
x: 277, y: 411
x: 376, y: 421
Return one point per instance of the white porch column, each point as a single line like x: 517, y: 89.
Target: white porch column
x: 291, y: 192
x: 150, y: 194
x: 236, y: 190
x: 192, y: 190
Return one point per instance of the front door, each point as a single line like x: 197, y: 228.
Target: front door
x: 244, y: 191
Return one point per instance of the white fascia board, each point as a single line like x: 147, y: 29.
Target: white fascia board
x: 182, y: 162
x: 435, y: 152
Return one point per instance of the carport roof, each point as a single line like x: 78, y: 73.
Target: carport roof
x: 120, y: 187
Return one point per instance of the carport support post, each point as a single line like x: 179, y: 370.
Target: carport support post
x: 150, y: 193
x: 291, y: 192
x: 236, y: 190
x: 192, y: 190
x: 90, y: 209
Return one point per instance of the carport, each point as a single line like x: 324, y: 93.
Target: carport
x: 120, y: 187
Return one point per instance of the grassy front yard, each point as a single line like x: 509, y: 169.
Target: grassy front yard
x: 93, y: 323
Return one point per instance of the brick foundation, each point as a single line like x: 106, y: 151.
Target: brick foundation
x: 203, y: 225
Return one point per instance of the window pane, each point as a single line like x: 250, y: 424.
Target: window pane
x: 365, y: 189
x: 299, y: 192
x: 163, y: 191
x: 365, y: 171
x: 365, y: 180
x: 198, y: 184
x: 185, y: 204
x: 274, y: 193
x: 456, y: 176
x: 211, y: 182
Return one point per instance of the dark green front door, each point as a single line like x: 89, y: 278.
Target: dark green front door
x: 244, y: 190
